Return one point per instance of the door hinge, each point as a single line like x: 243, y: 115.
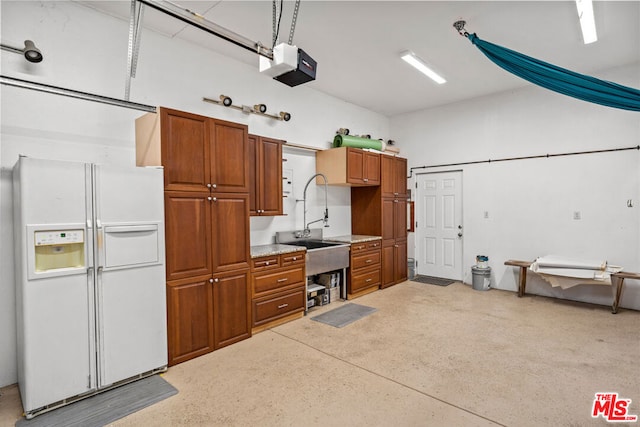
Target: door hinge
x: 416, y: 184
x: 89, y: 381
x: 416, y: 224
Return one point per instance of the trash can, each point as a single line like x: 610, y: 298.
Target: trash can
x: 481, y: 280
x: 411, y: 268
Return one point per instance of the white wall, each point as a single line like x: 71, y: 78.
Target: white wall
x: 531, y: 202
x: 87, y: 51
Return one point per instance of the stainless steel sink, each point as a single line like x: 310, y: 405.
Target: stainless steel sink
x: 322, y: 256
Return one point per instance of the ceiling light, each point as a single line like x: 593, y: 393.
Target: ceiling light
x: 419, y: 64
x: 587, y: 21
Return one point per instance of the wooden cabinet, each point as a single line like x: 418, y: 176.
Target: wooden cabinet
x: 187, y: 234
x: 230, y: 231
x: 383, y: 211
x: 394, y: 176
x: 277, y: 289
x: 348, y: 166
x: 364, y: 272
x: 206, y: 227
x: 265, y: 175
x: 190, y: 318
x: 231, y: 308
x: 197, y: 152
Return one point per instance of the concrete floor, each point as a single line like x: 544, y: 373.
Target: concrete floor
x: 430, y: 356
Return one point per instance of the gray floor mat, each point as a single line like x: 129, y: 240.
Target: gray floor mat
x: 106, y: 407
x: 342, y: 316
x: 432, y: 280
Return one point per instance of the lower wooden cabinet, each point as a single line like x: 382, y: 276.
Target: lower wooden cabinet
x: 364, y: 273
x: 207, y: 313
x: 277, y: 289
x: 394, y: 262
x: 190, y: 318
x: 231, y: 310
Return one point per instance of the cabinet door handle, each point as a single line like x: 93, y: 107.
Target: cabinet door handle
x: 368, y: 261
x: 283, y: 305
x: 284, y: 279
x: 368, y: 280
x: 360, y: 247
x: 395, y: 246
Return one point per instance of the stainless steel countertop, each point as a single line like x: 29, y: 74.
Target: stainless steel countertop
x: 274, y: 249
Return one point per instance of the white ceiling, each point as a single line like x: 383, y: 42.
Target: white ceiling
x: 357, y: 43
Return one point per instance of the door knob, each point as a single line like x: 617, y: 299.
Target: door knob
x: 460, y: 234
x: 459, y: 227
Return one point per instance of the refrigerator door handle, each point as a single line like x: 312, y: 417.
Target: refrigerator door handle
x: 100, y: 329
x: 100, y: 244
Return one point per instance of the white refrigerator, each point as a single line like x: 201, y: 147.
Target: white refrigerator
x: 90, y: 279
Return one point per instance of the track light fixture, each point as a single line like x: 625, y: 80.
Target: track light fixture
x: 226, y: 101
x: 259, y: 109
x: 30, y: 51
x: 285, y: 116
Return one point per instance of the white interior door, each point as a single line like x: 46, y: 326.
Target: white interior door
x: 439, y: 225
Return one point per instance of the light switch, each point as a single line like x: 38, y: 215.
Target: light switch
x: 577, y: 215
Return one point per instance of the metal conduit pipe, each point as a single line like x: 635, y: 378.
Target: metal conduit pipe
x: 57, y: 90
x: 539, y: 156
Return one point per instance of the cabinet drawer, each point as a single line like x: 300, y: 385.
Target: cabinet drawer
x: 293, y: 259
x: 366, y: 259
x: 365, y: 246
x: 268, y: 309
x: 269, y: 282
x: 263, y: 263
x: 365, y: 280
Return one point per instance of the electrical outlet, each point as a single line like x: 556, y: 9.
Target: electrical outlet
x: 577, y: 215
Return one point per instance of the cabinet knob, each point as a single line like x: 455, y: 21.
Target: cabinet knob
x: 295, y: 258
x: 210, y: 280
x: 215, y: 199
x: 395, y: 194
x: 366, y: 180
x: 214, y: 186
x: 208, y: 185
x: 395, y: 201
x: 216, y: 280
x: 395, y: 246
x: 209, y: 198
x: 266, y: 263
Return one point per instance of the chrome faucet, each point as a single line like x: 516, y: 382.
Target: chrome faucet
x: 306, y: 232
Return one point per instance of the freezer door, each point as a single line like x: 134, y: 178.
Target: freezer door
x: 132, y: 335
x: 55, y: 281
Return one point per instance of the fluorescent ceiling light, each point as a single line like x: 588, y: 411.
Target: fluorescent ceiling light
x: 411, y: 59
x: 587, y: 21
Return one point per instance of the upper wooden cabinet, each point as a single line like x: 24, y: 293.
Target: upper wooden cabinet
x: 197, y: 152
x: 348, y: 166
x: 265, y: 175
x: 394, y: 176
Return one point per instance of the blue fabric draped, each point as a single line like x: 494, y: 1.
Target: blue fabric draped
x: 559, y: 79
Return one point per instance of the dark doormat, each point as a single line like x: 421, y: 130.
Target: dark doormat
x: 106, y: 407
x: 432, y: 280
x: 342, y: 316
